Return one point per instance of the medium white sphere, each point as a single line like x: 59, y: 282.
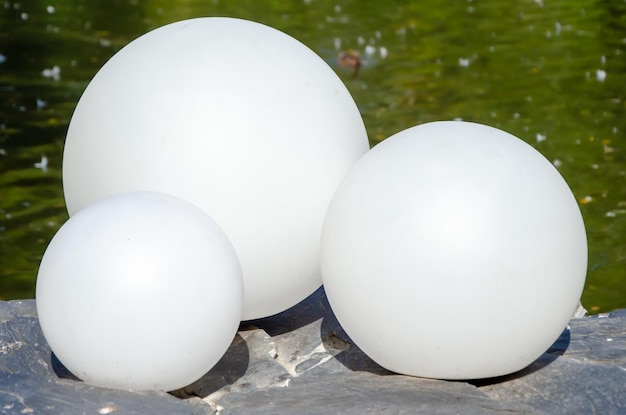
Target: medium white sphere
x: 453, y: 250
x: 240, y: 119
x: 140, y: 290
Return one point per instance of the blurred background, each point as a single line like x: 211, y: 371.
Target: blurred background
x: 552, y: 72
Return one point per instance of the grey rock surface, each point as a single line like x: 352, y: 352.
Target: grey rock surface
x: 302, y: 362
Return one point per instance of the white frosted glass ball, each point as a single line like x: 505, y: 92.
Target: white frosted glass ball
x: 453, y: 250
x: 240, y: 119
x: 139, y: 290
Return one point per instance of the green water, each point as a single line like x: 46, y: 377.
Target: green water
x: 552, y: 73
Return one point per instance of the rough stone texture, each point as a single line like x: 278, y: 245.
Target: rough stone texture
x: 33, y: 382
x: 302, y: 362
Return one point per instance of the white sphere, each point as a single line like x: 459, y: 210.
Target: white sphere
x: 140, y: 290
x: 240, y: 119
x: 453, y: 250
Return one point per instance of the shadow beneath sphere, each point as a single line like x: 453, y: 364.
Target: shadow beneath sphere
x: 336, y: 340
x: 230, y: 368
x: 557, y: 349
x: 61, y: 371
x: 307, y: 311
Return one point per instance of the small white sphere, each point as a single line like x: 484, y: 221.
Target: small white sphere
x: 140, y: 290
x: 240, y: 119
x: 454, y: 250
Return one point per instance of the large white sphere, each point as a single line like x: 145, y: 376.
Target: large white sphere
x: 238, y: 118
x: 139, y: 290
x: 454, y: 250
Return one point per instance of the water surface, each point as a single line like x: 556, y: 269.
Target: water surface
x: 553, y: 74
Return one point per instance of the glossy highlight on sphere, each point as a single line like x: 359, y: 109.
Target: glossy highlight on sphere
x: 236, y: 117
x: 454, y: 250
x: 140, y: 290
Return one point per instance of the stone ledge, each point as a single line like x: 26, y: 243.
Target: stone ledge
x: 302, y: 362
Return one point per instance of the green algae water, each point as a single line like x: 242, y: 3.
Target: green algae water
x: 551, y: 73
